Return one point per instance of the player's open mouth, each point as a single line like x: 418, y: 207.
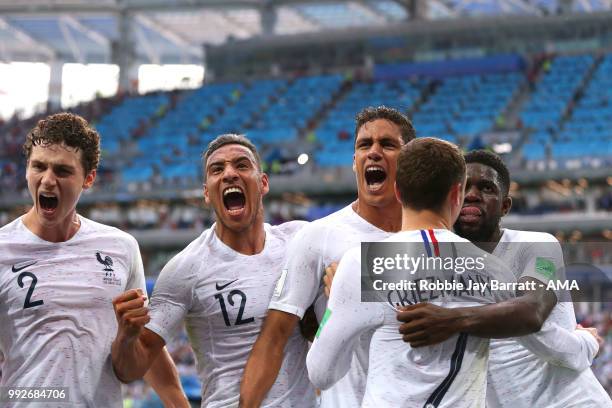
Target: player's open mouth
x: 470, y: 214
x: 234, y: 200
x: 48, y: 202
x: 375, y: 177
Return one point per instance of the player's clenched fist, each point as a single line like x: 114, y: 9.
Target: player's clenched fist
x: 131, y: 312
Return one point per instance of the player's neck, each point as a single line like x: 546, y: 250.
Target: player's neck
x: 250, y: 241
x: 387, y: 218
x: 490, y: 244
x: 421, y: 220
x: 61, y: 232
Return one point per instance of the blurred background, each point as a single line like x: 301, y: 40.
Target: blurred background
x: 528, y: 79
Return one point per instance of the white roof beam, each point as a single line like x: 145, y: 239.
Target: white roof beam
x: 27, y: 39
x: 149, y: 50
x: 70, y: 41
x: 91, y: 34
x: 170, y: 35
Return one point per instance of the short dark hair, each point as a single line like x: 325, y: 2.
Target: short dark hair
x: 392, y: 115
x: 427, y: 168
x: 71, y: 130
x: 231, y: 138
x: 495, y: 162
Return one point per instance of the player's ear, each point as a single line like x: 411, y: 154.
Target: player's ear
x: 398, y: 196
x: 455, y: 194
x: 206, y: 198
x: 506, y: 205
x: 89, y: 179
x: 265, y: 184
x: 354, y: 166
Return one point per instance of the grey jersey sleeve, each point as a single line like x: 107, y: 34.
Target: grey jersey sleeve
x: 345, y: 319
x: 301, y: 279
x: 172, y: 298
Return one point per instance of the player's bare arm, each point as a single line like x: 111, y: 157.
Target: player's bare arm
x: 266, y: 358
x: 164, y: 378
x: 425, y: 324
x: 309, y: 324
x: 135, y: 348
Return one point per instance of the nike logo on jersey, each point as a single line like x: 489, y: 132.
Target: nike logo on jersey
x: 22, y: 265
x: 221, y: 287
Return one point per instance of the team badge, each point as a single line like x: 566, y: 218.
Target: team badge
x: 109, y: 275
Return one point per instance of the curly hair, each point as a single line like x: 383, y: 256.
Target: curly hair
x: 392, y: 115
x: 68, y: 129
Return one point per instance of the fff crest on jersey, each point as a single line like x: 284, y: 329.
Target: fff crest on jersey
x: 109, y: 275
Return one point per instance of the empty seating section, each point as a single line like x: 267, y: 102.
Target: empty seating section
x: 555, y: 89
x: 267, y: 111
x: 240, y: 117
x: 121, y: 121
x: 175, y: 143
x: 466, y: 105
x: 293, y: 109
x: 577, y: 121
x: 588, y: 131
x: 336, y: 130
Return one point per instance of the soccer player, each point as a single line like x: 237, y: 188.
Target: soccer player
x: 220, y: 285
x: 513, y: 367
x: 430, y: 184
x: 379, y: 135
x: 58, y: 274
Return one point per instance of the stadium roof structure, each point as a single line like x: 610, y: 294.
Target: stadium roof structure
x: 174, y: 31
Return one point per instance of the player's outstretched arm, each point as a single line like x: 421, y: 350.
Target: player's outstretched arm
x: 573, y: 349
x: 135, y: 348
x: 164, y: 379
x: 266, y: 358
x: 345, y: 319
x: 425, y: 324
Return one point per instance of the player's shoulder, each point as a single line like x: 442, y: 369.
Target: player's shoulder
x: 353, y: 255
x: 335, y: 218
x: 331, y: 222
x: 9, y: 229
x: 527, y: 236
x: 196, y: 254
x: 200, y: 247
x: 287, y: 229
x: 102, y: 231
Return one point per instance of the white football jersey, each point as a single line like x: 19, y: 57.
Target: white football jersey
x: 449, y: 374
x: 519, y: 378
x: 223, y: 297
x: 56, y: 310
x: 316, y: 246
